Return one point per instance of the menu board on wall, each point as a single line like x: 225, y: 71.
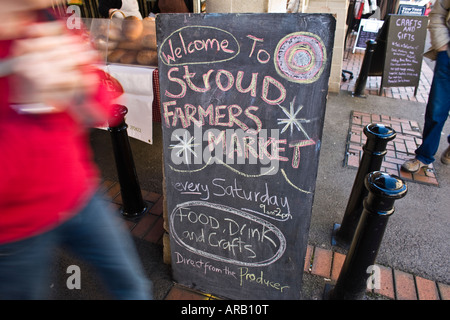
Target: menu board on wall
x: 404, y: 51
x: 242, y: 105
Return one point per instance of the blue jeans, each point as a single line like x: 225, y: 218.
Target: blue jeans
x: 96, y: 235
x: 437, y: 110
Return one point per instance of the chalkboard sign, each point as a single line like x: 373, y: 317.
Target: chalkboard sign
x: 243, y: 101
x: 368, y: 30
x: 404, y: 51
x: 411, y: 10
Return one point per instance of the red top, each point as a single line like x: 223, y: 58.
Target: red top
x: 46, y: 172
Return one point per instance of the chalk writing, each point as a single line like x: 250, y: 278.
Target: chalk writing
x: 409, y: 26
x: 268, y: 204
x: 205, y: 266
x: 242, y: 105
x: 202, y: 228
x: 272, y: 91
x: 404, y: 50
x: 236, y: 146
x: 368, y: 30
x: 246, y: 276
x: 186, y: 44
x: 193, y: 188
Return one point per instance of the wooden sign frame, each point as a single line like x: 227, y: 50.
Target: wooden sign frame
x: 242, y: 104
x: 404, y: 47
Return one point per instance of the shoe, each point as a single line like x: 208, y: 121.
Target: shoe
x: 445, y: 158
x: 413, y: 165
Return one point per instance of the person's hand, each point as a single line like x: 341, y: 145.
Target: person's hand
x: 51, y: 67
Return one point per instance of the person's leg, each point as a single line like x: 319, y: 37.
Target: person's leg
x: 437, y: 110
x: 98, y: 236
x: 24, y: 268
x: 435, y: 116
x: 445, y: 158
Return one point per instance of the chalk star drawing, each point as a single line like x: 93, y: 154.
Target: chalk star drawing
x: 185, y: 146
x: 291, y: 119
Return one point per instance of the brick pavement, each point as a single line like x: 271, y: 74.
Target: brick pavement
x: 408, y: 138
x: 409, y: 135
x: 353, y: 61
x: 322, y: 263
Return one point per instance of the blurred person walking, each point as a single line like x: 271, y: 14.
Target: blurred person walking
x: 438, y: 106
x: 50, y: 94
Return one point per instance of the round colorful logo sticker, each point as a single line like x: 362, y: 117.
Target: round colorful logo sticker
x: 300, y: 57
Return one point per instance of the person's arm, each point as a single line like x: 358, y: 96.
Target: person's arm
x: 439, y: 33
x: 56, y: 69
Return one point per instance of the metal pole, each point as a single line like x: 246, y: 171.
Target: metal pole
x: 133, y: 203
x: 374, y: 150
x: 384, y: 189
x: 360, y: 84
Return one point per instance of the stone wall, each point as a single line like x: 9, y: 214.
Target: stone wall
x: 236, y: 6
x: 339, y: 9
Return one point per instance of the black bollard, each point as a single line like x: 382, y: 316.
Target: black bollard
x: 384, y: 189
x: 360, y: 84
x: 133, y: 203
x: 374, y: 150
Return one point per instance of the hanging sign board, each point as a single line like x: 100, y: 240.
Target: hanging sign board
x: 410, y: 10
x: 404, y: 51
x: 242, y: 107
